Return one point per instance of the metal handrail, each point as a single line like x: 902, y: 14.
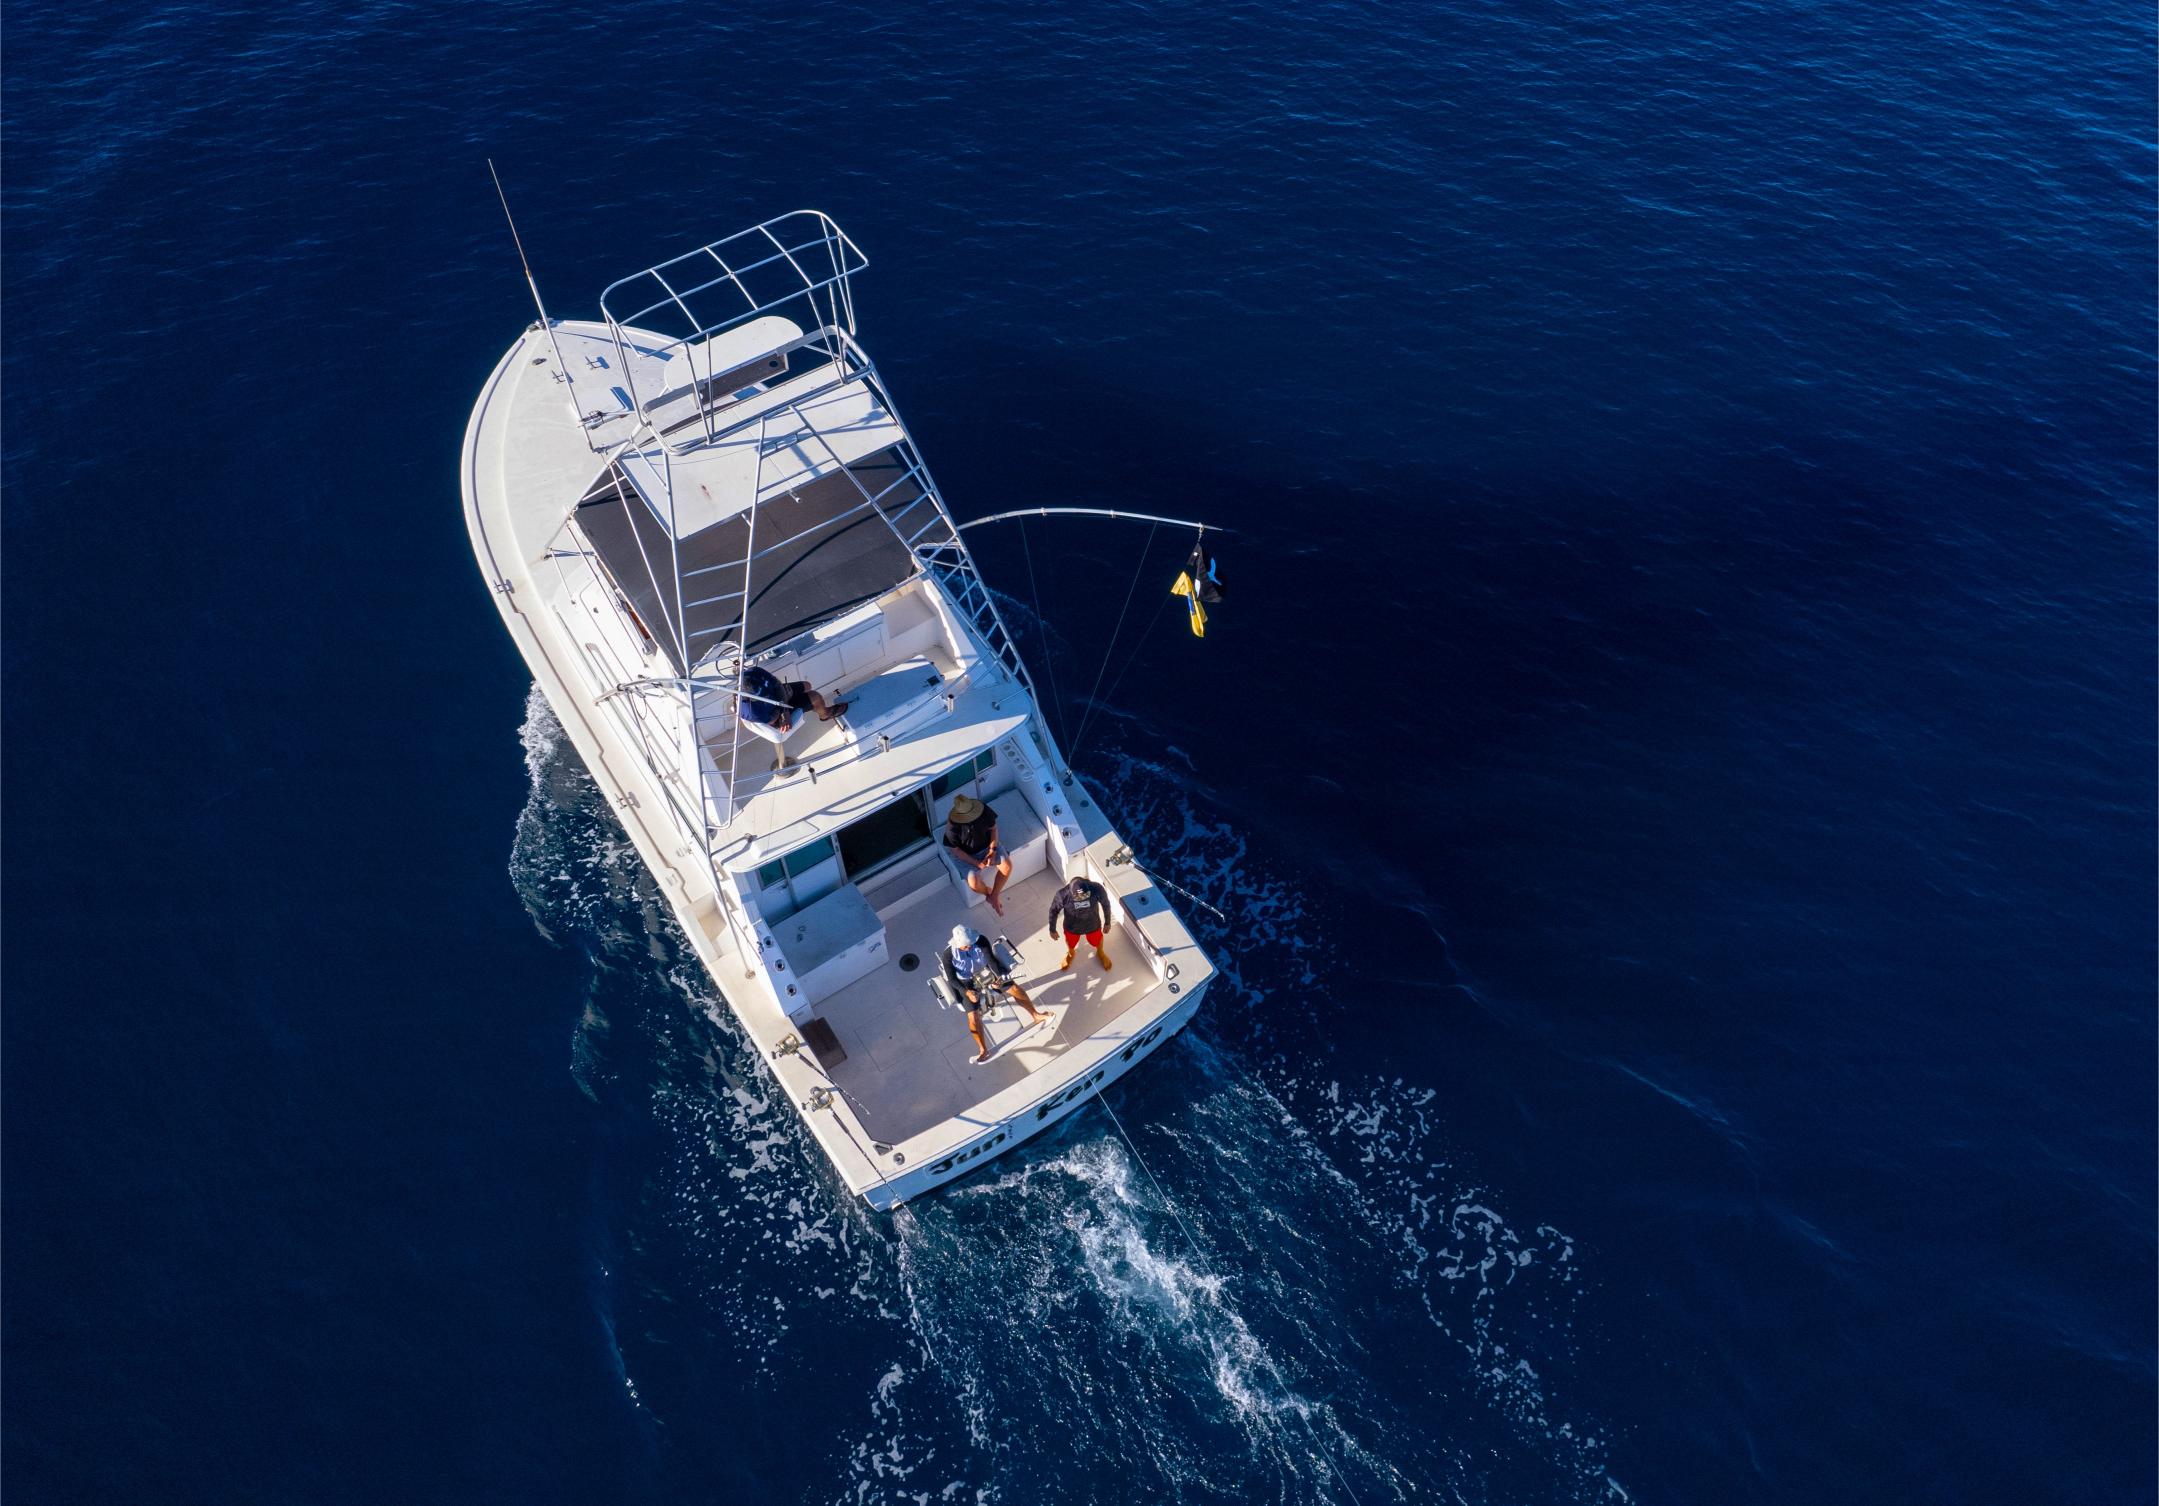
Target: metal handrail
x: 660, y: 769
x: 842, y: 259
x: 846, y: 259
x: 815, y: 259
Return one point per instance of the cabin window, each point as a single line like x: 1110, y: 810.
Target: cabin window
x: 956, y: 778
x: 802, y: 877
x: 803, y: 859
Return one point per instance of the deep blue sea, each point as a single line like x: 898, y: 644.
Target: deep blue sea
x: 1677, y: 764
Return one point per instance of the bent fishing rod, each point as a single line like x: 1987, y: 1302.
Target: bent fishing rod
x: 1094, y: 512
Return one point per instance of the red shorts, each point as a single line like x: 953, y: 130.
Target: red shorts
x: 1094, y: 939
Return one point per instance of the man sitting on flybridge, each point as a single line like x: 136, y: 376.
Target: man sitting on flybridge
x: 769, y: 705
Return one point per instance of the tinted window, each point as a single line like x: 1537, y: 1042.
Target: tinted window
x: 957, y: 778
x: 803, y: 859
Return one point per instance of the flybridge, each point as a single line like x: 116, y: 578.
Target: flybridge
x: 759, y: 503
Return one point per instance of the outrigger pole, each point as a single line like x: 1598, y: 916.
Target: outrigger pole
x: 519, y: 241
x: 1093, y: 512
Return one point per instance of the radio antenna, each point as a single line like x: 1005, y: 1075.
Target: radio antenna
x: 519, y: 241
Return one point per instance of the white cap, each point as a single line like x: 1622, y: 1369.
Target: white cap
x: 962, y: 938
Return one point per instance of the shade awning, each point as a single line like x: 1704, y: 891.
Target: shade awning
x: 821, y: 548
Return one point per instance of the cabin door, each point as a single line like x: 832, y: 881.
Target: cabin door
x: 884, y: 835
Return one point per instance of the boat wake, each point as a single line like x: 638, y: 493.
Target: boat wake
x: 1232, y: 1332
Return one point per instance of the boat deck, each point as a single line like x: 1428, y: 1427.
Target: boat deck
x: 909, y: 1058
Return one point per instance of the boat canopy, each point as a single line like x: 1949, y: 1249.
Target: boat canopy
x: 822, y: 547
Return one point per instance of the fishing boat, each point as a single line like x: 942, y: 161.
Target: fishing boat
x: 707, y: 493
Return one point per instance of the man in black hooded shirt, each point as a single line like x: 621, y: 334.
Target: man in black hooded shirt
x: 1082, y: 907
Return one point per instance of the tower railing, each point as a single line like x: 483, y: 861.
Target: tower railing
x: 797, y: 263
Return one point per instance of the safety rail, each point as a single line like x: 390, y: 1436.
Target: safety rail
x: 631, y: 715
x: 661, y: 761
x: 971, y: 598
x: 948, y: 560
x: 794, y: 260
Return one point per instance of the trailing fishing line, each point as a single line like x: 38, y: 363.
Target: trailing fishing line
x: 1049, y: 657
x: 1130, y: 590
x: 1130, y: 659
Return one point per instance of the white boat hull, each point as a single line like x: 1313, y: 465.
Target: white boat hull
x: 891, y: 1113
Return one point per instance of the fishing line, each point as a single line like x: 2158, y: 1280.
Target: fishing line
x: 1126, y: 855
x: 1192, y: 1244
x: 1143, y: 1166
x: 1049, y: 653
x: 914, y: 1312
x: 1130, y: 659
x: 1137, y: 569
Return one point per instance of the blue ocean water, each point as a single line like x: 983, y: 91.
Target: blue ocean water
x: 1677, y: 763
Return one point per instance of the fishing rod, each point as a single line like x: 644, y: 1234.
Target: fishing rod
x: 519, y: 241
x: 1124, y: 855
x: 1094, y: 512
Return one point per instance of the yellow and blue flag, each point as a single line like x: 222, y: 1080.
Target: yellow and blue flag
x: 1200, y: 587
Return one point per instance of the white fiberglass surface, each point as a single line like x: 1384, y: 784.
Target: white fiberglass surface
x: 909, y: 1062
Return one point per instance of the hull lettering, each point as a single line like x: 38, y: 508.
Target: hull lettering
x: 1072, y: 1094
x: 1141, y: 1044
x: 961, y: 1158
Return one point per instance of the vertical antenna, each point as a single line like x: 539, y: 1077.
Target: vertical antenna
x: 545, y: 323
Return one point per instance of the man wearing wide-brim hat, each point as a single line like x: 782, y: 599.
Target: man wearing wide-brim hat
x: 971, y: 833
